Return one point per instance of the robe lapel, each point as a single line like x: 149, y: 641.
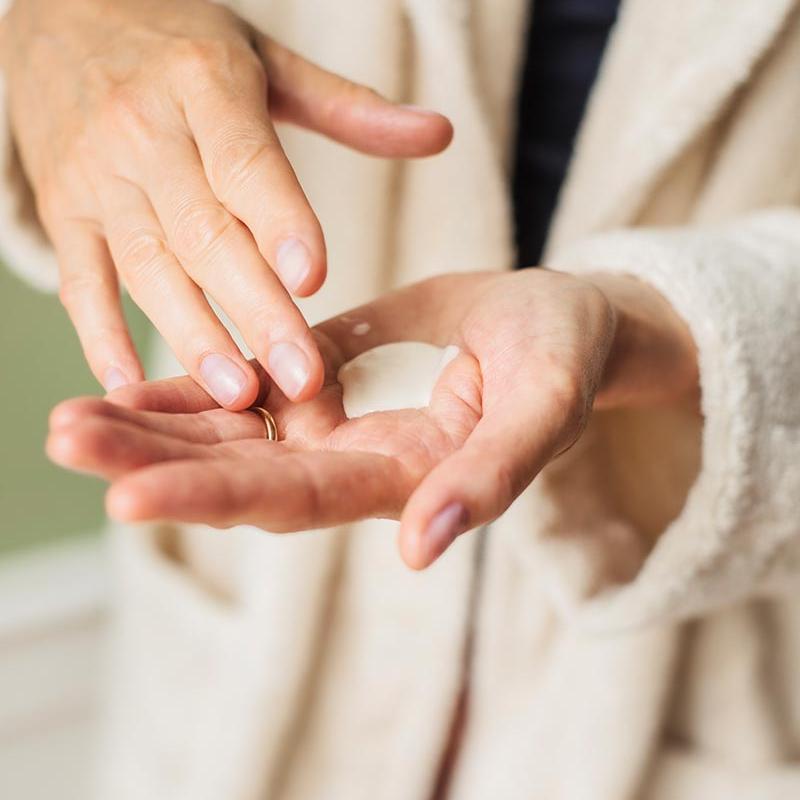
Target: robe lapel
x: 669, y: 71
x: 454, y: 210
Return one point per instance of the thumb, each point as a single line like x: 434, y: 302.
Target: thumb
x: 512, y: 442
x: 307, y: 95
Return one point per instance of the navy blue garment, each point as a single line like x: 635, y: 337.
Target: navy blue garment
x: 566, y: 41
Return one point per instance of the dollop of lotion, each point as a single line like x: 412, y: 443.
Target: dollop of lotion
x: 392, y: 376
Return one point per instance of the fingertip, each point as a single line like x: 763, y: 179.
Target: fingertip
x: 114, y: 378
x: 411, y: 538
x: 123, y: 503
x: 426, y: 535
x: 314, y: 280
x: 445, y: 134
x: 312, y: 387
x: 301, y: 265
x: 70, y: 411
x: 112, y: 358
x: 439, y: 127
x: 316, y: 378
x: 385, y: 129
x: 249, y: 395
x: 410, y: 545
x: 298, y: 370
x: 426, y: 133
x: 63, y: 448
x: 80, y: 445
x: 61, y: 416
x: 231, y: 382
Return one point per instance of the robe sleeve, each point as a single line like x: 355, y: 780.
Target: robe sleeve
x: 663, y: 514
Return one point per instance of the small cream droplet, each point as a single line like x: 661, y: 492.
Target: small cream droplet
x: 361, y: 329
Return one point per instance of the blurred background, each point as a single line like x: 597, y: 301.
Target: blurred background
x: 53, y: 579
x: 41, y: 362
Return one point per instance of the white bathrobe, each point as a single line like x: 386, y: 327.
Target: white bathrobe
x: 631, y: 627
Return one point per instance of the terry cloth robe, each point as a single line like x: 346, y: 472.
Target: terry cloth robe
x: 631, y: 627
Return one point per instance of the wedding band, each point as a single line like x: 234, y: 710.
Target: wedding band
x: 270, y: 428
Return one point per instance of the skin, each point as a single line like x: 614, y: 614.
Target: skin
x: 146, y: 131
x: 539, y: 350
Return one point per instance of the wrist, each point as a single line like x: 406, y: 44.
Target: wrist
x: 653, y: 358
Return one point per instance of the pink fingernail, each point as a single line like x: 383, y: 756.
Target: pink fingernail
x: 114, y: 378
x: 293, y: 262
x: 444, y: 528
x: 223, y: 378
x: 288, y: 365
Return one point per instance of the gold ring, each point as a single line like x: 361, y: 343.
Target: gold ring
x: 270, y: 428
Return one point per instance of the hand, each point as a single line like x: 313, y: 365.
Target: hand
x: 146, y: 134
x: 538, y: 348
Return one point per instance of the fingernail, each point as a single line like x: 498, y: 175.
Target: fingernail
x: 223, y: 378
x: 288, y: 365
x: 443, y: 529
x: 114, y: 378
x: 293, y: 262
x: 420, y: 110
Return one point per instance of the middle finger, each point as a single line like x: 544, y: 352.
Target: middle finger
x: 221, y: 256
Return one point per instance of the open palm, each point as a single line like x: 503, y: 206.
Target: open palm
x: 172, y: 452
x: 531, y: 352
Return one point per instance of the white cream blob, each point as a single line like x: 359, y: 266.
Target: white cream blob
x: 393, y: 376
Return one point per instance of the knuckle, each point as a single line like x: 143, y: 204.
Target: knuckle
x: 270, y: 318
x: 74, y: 288
x: 250, y: 68
x: 96, y: 76
x: 264, y: 322
x: 195, y: 55
x: 201, y: 58
x: 70, y: 290
x: 273, y: 316
x: 141, y: 252
x: 280, y: 60
x: 116, y: 105
x: 65, y: 193
x: 125, y: 111
x: 234, y: 158
x: 199, y: 227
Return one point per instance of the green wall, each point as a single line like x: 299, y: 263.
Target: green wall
x: 40, y: 364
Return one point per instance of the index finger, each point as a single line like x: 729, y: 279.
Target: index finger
x: 251, y: 176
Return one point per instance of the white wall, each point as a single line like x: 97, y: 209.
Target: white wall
x: 52, y: 620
